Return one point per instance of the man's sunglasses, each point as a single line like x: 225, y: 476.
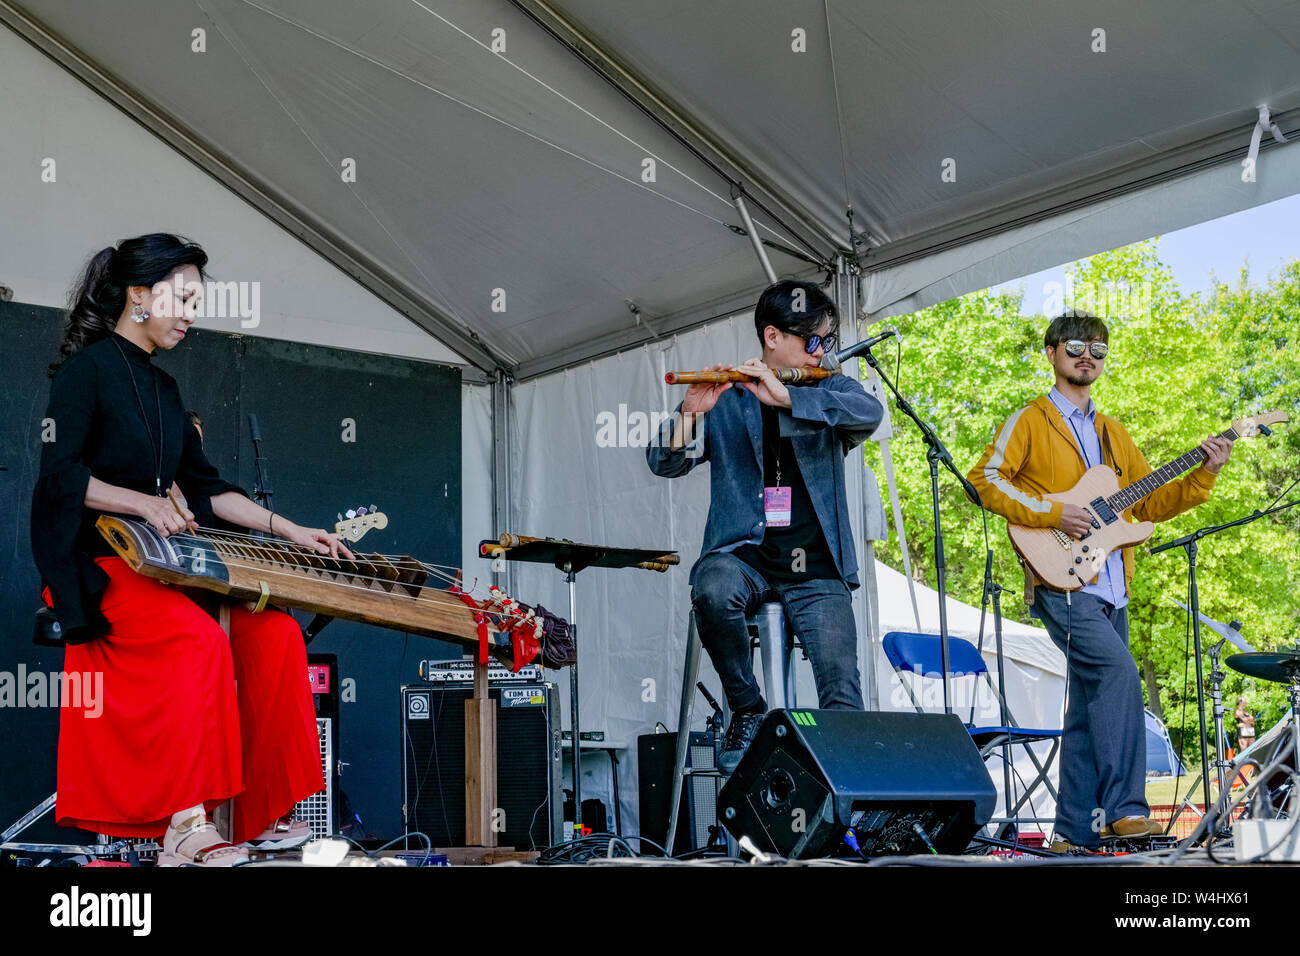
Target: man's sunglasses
x: 827, y: 342
x: 1074, y: 348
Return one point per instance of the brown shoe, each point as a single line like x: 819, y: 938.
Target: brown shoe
x: 1133, y: 827
x: 1066, y: 848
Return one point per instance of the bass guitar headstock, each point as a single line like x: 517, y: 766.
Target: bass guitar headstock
x: 358, y: 521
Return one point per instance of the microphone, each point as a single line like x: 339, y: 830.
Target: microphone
x: 833, y: 360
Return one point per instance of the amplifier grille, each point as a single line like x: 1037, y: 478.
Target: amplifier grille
x: 705, y: 791
x: 318, y: 809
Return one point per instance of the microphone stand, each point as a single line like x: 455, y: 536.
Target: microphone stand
x: 936, y: 455
x: 262, y: 490
x: 994, y: 590
x: 1190, y: 544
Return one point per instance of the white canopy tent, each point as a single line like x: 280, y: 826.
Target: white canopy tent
x: 545, y: 189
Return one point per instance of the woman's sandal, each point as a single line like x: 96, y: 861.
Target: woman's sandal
x: 196, y: 842
x: 283, y: 834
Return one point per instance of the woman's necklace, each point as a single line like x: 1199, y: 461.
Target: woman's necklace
x: 139, y: 402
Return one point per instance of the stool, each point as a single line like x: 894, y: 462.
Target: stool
x: 776, y: 646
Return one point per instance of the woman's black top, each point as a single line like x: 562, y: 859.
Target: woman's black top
x: 102, y: 415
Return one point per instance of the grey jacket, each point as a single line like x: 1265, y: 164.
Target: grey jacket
x: 826, y: 420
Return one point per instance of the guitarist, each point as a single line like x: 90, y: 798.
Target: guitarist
x: 1044, y: 448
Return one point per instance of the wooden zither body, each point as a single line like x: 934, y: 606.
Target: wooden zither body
x: 373, y: 589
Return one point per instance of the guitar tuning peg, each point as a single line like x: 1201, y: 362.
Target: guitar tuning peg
x: 340, y: 517
x: 373, y: 509
x: 351, y: 513
x: 361, y: 511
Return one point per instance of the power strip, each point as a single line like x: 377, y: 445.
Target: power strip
x: 1250, y: 838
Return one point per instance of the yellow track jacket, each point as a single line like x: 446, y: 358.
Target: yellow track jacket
x: 1034, y: 454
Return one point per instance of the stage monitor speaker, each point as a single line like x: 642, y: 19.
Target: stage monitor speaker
x: 528, y: 762
x: 810, y: 775
x: 656, y: 755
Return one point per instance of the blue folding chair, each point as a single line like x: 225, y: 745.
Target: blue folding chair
x: 921, y: 655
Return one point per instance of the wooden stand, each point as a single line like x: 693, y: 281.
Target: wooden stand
x: 480, y: 763
x: 223, y: 816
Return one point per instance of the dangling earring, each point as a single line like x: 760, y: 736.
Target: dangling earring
x: 138, y: 314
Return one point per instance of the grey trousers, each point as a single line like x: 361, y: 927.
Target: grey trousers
x: 1103, y: 744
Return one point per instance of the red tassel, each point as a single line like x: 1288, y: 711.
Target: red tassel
x: 481, y: 621
x: 526, y: 647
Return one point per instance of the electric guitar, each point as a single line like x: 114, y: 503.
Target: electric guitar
x: 1067, y: 564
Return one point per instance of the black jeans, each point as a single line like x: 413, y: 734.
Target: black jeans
x: 727, y: 589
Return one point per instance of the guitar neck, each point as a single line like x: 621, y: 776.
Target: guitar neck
x: 1130, y: 495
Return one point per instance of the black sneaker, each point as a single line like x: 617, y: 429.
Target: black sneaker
x: 740, y: 734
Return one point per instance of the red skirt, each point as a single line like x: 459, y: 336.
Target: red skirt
x: 187, y: 715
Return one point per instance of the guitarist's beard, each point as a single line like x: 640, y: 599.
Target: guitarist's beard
x: 1083, y: 377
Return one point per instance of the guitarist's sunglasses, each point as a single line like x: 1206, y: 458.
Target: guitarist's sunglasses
x: 1074, y: 348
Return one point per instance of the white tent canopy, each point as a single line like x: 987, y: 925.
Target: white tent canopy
x: 546, y: 185
x: 502, y: 147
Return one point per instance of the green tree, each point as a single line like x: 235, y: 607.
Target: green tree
x: 1180, y: 368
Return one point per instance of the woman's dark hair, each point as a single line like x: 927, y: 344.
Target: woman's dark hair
x: 797, y: 307
x: 1075, y: 324
x: 96, y: 301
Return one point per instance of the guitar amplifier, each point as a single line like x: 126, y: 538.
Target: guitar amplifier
x: 698, y: 813
x: 320, y: 810
x: 528, y: 762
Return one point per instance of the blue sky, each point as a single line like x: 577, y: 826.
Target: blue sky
x: 1265, y: 236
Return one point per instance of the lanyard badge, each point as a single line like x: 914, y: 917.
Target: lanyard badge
x: 777, y: 503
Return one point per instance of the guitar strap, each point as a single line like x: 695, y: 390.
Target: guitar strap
x: 1114, y: 462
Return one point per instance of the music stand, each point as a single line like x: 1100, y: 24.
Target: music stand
x: 570, y: 557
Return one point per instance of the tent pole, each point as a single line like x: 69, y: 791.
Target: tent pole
x: 844, y: 289
x: 738, y: 197
x: 502, y: 504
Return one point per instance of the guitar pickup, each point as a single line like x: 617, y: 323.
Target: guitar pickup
x: 1102, y: 509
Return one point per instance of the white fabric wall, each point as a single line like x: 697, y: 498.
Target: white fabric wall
x: 632, y: 623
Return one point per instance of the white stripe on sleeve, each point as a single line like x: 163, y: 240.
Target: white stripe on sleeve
x: 994, y: 478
